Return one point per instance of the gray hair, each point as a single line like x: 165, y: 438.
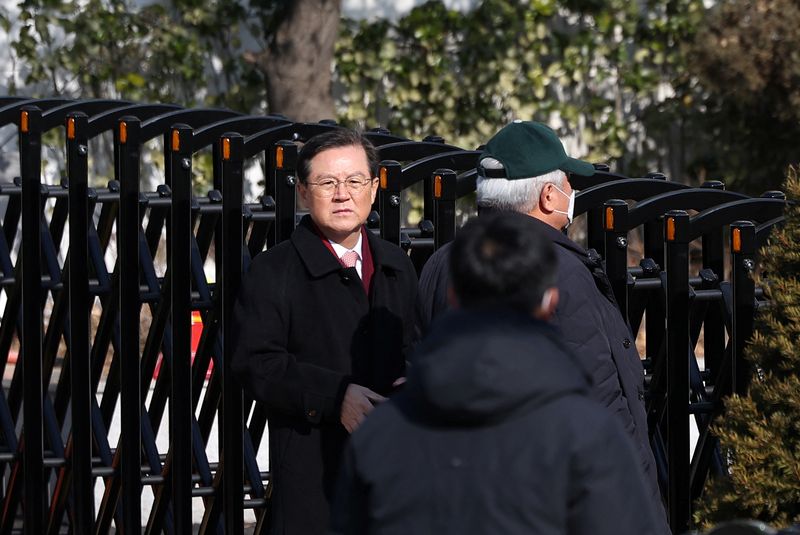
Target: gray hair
x: 520, y: 195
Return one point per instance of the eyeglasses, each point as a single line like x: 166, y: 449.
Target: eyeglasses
x: 328, y: 186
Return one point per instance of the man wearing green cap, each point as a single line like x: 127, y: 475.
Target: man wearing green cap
x: 523, y: 168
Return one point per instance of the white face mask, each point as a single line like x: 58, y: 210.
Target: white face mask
x: 546, y: 299
x: 570, y: 213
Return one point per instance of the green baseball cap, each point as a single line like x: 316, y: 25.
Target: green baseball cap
x: 528, y: 149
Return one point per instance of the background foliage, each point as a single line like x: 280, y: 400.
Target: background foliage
x: 593, y: 66
x: 184, y: 52
x: 699, y: 90
x: 758, y: 433
x: 747, y: 65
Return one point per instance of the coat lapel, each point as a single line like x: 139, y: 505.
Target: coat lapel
x: 317, y: 259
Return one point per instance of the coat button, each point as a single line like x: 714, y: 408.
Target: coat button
x: 626, y: 343
x: 312, y: 413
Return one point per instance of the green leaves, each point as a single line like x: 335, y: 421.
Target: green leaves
x: 623, y: 76
x: 759, y: 432
x: 157, y: 53
x: 747, y: 65
x: 464, y: 75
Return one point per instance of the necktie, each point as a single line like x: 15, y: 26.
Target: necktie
x: 349, y: 259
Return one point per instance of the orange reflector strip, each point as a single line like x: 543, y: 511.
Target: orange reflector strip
x: 384, y: 175
x: 609, y: 218
x: 176, y: 141
x: 278, y: 157
x: 70, y: 128
x: 226, y: 148
x: 123, y: 132
x: 670, y: 229
x: 437, y: 186
x: 736, y: 240
x: 23, y: 122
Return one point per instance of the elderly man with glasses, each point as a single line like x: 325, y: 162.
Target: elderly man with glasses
x: 323, y: 322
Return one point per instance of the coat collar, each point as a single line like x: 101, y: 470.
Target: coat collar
x: 589, y: 258
x: 320, y: 262
x: 559, y: 238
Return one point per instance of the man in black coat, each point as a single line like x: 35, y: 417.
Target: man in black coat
x: 495, y: 431
x: 323, y: 322
x: 523, y: 169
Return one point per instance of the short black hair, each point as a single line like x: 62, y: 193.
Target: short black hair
x: 333, y: 139
x: 502, y: 259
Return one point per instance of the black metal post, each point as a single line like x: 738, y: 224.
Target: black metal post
x: 654, y: 240
x: 615, y: 224
x: 444, y: 203
x: 79, y: 327
x: 654, y: 312
x: 181, y: 414
x: 30, y: 148
x: 429, y: 189
x: 743, y: 239
x: 231, y: 414
x: 676, y: 232
x: 284, y: 161
x: 713, y: 324
x: 594, y: 229
x: 130, y: 380
x: 389, y: 199
x: 428, y: 198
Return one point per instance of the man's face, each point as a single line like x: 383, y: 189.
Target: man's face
x: 339, y: 214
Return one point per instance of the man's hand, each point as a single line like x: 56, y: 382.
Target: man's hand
x: 357, y: 403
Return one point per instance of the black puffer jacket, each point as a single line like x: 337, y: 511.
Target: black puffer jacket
x: 595, y: 331
x: 494, y: 433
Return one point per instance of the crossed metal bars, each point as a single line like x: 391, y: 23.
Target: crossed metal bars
x: 63, y: 447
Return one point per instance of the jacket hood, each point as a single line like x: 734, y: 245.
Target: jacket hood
x: 484, y: 365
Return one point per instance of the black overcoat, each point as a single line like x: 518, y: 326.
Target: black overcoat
x: 304, y: 329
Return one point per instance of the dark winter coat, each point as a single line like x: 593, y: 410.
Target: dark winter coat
x: 494, y: 433
x: 305, y: 329
x: 592, y: 328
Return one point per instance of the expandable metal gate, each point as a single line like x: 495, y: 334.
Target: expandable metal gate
x: 52, y: 453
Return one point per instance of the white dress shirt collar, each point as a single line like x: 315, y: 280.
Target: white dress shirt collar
x: 340, y: 250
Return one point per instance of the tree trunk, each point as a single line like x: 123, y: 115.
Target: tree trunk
x: 297, y: 66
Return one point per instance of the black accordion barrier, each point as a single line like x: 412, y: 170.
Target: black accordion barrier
x: 78, y: 362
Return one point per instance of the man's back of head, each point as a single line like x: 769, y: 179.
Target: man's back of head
x: 503, y: 259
